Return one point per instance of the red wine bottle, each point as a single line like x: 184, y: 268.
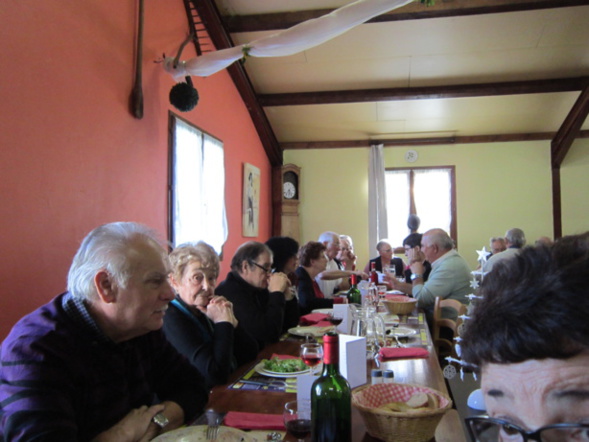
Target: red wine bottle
x: 373, y: 274
x: 354, y: 295
x: 331, y: 398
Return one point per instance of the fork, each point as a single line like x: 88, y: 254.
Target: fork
x: 214, y: 419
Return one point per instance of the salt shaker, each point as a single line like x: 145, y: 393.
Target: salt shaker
x: 376, y: 376
x: 388, y: 376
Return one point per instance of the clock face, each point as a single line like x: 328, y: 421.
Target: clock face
x: 288, y: 190
x: 411, y: 156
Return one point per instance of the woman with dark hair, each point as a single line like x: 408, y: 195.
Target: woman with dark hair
x: 284, y: 260
x: 313, y: 260
x: 529, y: 337
x: 412, y: 246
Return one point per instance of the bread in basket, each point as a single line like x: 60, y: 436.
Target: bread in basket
x: 399, y: 304
x: 411, y: 426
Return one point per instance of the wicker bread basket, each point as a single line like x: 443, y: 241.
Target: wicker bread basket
x: 398, y: 426
x: 399, y: 305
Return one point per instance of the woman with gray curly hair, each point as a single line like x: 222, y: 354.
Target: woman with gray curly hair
x: 200, y: 325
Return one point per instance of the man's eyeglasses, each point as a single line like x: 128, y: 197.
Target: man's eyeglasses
x: 267, y: 270
x: 487, y: 429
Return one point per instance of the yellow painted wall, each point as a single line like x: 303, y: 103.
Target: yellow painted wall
x: 574, y: 178
x: 499, y: 186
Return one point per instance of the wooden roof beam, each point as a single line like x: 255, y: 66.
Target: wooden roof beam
x: 570, y: 129
x: 423, y: 141
x: 425, y: 92
x: 211, y: 18
x: 412, y: 11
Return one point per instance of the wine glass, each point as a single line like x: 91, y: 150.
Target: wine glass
x: 334, y: 320
x: 297, y: 418
x: 311, y: 354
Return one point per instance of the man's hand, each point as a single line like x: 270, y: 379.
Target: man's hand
x: 136, y: 426
x: 417, y: 267
x: 362, y: 275
x: 414, y: 255
x: 278, y: 282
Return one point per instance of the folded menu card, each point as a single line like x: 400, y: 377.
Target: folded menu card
x: 352, y: 359
x: 403, y: 353
x: 254, y: 421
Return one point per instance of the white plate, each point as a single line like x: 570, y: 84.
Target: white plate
x: 402, y: 332
x: 275, y: 374
x: 198, y: 433
x: 316, y: 332
x: 395, y: 292
x: 389, y: 319
x: 325, y: 311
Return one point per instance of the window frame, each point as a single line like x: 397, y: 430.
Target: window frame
x: 172, y: 118
x: 453, y: 211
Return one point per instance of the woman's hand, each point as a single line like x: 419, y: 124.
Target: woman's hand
x: 221, y: 310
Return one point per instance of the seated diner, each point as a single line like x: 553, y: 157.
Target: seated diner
x: 93, y: 363
x: 529, y: 338
x: 200, y: 325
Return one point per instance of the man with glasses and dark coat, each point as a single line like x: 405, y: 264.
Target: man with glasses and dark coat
x: 262, y: 301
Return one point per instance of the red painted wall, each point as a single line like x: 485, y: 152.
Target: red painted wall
x: 72, y: 157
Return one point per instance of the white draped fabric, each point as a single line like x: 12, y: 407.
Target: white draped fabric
x: 377, y: 198
x: 298, y: 38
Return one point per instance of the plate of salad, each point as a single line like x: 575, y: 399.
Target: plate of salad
x: 281, y: 368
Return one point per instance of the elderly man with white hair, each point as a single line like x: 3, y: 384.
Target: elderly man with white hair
x: 334, y: 278
x: 449, y: 278
x: 515, y: 239
x: 93, y: 364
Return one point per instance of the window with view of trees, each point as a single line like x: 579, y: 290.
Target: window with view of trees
x: 196, y: 187
x: 427, y: 192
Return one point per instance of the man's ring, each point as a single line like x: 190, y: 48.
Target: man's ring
x: 160, y: 420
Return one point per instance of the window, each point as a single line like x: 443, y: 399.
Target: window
x: 197, y: 186
x: 428, y: 192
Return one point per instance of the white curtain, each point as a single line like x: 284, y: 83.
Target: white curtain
x: 199, y: 188
x: 377, y: 197
x: 298, y: 38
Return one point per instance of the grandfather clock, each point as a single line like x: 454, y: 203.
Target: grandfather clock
x: 285, y: 200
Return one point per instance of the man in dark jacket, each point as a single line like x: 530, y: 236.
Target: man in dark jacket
x: 93, y: 364
x: 262, y: 301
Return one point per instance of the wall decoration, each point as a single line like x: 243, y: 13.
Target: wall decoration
x: 251, y: 200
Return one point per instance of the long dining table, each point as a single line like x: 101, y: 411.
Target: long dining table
x: 422, y: 371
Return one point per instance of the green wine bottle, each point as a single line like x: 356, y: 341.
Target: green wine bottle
x: 331, y: 398
x: 354, y: 295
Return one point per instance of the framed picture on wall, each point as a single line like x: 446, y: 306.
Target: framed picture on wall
x: 251, y: 200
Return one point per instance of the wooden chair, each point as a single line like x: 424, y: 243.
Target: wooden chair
x: 443, y: 343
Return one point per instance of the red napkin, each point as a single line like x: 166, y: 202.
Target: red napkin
x: 403, y: 353
x: 254, y: 421
x: 313, y: 319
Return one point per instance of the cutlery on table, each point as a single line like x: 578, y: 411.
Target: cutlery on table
x: 214, y: 419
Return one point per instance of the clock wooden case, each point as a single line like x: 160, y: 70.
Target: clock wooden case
x: 285, y: 200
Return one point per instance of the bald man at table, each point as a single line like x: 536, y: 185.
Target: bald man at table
x: 449, y: 278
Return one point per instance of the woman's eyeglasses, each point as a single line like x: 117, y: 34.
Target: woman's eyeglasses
x: 487, y: 429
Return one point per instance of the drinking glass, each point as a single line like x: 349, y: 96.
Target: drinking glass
x: 312, y: 355
x: 335, y: 319
x: 297, y: 418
